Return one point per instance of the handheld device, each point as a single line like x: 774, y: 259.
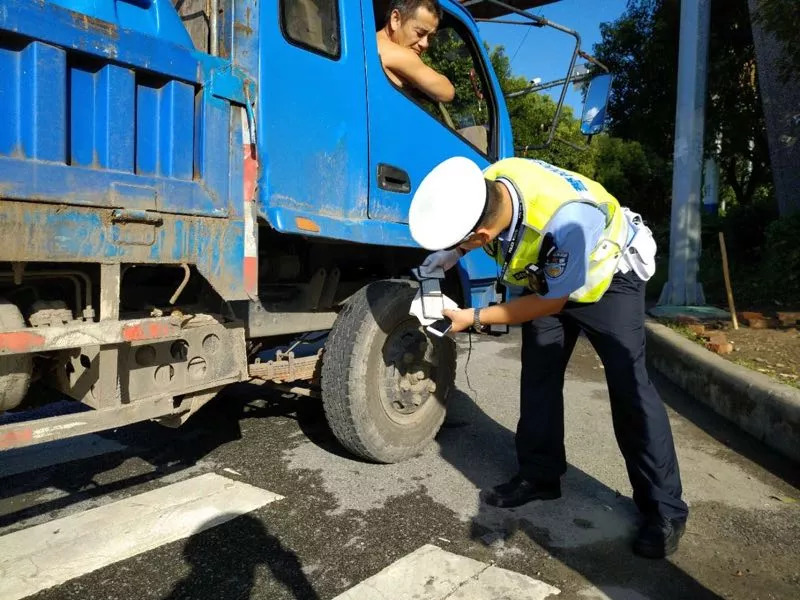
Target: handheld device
x: 441, y: 327
x: 432, y: 299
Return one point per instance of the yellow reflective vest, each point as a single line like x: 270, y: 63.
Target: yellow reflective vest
x: 543, y: 189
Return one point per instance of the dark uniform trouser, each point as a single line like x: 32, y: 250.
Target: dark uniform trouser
x: 615, y: 327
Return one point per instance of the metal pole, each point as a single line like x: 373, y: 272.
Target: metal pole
x: 546, y: 86
x: 682, y: 287
x: 213, y: 27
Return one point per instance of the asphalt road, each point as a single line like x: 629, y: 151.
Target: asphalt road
x: 337, y: 521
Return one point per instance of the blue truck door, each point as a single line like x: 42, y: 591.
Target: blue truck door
x: 312, y: 107
x: 410, y: 134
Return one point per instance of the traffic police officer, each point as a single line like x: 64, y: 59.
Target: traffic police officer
x: 583, y: 261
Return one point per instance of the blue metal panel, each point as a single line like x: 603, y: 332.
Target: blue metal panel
x: 114, y: 121
x: 153, y: 17
x: 88, y: 235
x: 352, y: 230
x: 42, y: 104
x: 176, y: 130
x: 9, y: 100
x: 60, y: 27
x: 242, y: 34
x: 306, y: 178
x: 478, y: 272
x: 82, y: 112
x: 215, y: 164
x: 49, y: 182
x: 312, y: 127
x: 101, y: 116
x: 165, y: 129
x: 123, y: 127
x: 147, y: 127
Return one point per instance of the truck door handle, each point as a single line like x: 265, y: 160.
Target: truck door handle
x: 393, y: 179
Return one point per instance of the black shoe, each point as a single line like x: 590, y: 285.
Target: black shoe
x: 658, y: 537
x: 520, y: 491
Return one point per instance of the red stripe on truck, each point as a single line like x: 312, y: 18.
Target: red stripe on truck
x: 21, y: 341
x: 145, y: 331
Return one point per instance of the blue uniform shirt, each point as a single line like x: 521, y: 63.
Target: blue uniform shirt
x: 576, y: 230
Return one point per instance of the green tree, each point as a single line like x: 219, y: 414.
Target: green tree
x: 641, y: 49
x: 531, y: 118
x: 735, y: 124
x: 635, y: 175
x: 781, y: 17
x: 450, y: 56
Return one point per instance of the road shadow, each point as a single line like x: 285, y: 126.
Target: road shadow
x: 726, y: 432
x: 225, y: 559
x: 166, y: 451
x: 589, y: 529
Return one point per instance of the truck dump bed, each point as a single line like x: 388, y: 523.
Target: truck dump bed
x: 123, y: 125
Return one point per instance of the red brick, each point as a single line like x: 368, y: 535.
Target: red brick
x: 789, y: 315
x: 746, y: 315
x: 697, y: 328
x: 720, y: 348
x: 716, y: 337
x: 763, y: 323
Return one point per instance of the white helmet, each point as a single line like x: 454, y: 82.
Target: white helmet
x: 448, y: 204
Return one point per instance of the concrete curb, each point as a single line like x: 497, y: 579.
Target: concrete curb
x: 768, y: 410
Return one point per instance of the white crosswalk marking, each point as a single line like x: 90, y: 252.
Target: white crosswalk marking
x: 49, y: 554
x: 430, y: 573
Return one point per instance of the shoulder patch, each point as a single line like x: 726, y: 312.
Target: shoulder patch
x: 556, y: 263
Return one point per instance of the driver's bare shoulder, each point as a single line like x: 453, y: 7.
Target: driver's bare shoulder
x: 391, y: 56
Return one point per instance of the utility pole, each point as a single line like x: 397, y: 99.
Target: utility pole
x: 682, y: 287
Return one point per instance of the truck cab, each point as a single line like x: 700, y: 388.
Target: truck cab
x: 344, y: 148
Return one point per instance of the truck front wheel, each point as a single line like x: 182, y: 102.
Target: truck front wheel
x: 384, y: 381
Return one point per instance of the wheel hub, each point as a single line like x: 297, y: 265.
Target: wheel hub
x: 410, y: 359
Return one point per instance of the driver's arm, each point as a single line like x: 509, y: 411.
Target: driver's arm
x: 405, y: 64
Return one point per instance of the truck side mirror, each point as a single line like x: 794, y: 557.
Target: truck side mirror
x: 593, y: 119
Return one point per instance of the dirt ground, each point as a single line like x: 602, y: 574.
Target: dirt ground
x: 774, y: 352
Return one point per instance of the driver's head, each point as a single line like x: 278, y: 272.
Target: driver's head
x: 410, y: 23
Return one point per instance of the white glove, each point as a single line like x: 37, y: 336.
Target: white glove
x: 443, y: 259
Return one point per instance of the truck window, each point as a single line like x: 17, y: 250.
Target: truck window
x: 453, y: 53
x: 312, y: 24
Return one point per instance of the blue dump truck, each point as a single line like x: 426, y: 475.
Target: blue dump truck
x: 191, y: 189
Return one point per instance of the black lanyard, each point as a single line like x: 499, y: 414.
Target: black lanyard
x: 514, y: 241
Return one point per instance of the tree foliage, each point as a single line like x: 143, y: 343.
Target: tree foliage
x: 636, y: 175
x: 531, y: 118
x: 641, y: 49
x: 450, y: 56
x: 626, y: 168
x: 634, y: 161
x: 781, y: 18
